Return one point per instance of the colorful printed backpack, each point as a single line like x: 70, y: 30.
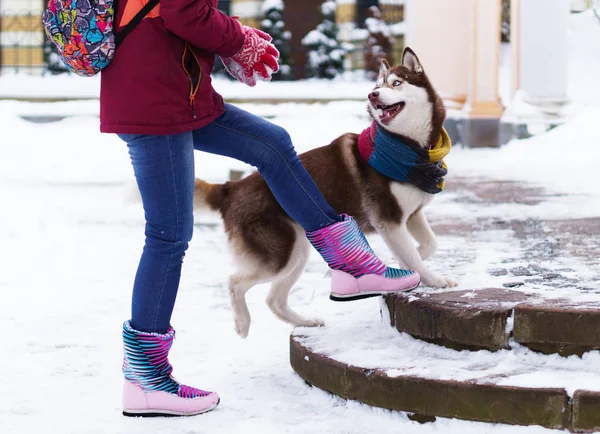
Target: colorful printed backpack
x: 83, y: 32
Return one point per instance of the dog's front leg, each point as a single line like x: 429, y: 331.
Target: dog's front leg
x: 419, y: 228
x: 398, y: 239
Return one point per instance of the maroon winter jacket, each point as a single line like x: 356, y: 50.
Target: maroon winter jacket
x: 159, y: 81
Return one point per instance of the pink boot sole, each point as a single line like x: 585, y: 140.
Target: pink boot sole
x: 137, y: 403
x: 345, y: 287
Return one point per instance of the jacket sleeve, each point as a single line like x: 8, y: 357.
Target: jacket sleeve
x: 202, y: 25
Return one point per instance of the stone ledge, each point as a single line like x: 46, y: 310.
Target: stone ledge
x: 586, y: 411
x: 565, y: 330
x: 478, y: 319
x: 460, y: 320
x: 548, y: 407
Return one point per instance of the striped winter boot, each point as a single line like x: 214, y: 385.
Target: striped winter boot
x: 149, y: 388
x: 357, y: 271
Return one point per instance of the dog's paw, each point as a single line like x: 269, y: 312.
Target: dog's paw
x: 242, y: 326
x: 310, y: 322
x: 439, y: 281
x: 451, y: 282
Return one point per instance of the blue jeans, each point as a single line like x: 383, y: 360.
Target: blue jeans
x: 164, y: 170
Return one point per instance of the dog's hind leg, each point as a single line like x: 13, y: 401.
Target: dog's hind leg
x: 239, y: 284
x: 419, y: 228
x: 277, y: 300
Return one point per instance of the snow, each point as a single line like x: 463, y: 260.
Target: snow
x: 375, y: 25
x: 328, y: 8
x: 337, y: 54
x: 49, y: 86
x: 358, y: 34
x: 376, y: 345
x: 564, y: 160
x: 285, y: 69
x: 60, y: 87
x: 583, y: 42
x: 398, y: 29
x: 71, y: 240
x: 315, y: 37
x: 272, y: 4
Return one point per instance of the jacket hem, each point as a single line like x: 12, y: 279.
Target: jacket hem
x: 159, y: 130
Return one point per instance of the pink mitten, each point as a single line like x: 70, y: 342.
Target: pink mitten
x: 257, y: 59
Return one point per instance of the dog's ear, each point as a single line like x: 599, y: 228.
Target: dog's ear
x: 383, y: 68
x: 411, y: 61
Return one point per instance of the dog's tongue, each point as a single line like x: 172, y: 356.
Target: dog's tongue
x: 387, y: 115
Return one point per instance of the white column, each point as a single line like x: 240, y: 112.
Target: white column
x: 439, y: 32
x: 541, y: 49
x: 515, y: 46
x: 484, y: 58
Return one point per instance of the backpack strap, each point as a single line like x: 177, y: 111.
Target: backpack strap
x: 120, y: 36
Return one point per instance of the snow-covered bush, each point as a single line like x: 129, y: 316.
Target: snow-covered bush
x: 380, y: 43
x: 54, y: 65
x: 326, y: 54
x: 273, y: 24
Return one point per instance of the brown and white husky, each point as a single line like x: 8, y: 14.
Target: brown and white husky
x: 269, y: 246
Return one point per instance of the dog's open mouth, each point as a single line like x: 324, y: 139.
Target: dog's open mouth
x: 389, y: 111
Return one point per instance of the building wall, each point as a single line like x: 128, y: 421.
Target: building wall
x: 392, y: 11
x: 21, y: 35
x: 300, y: 18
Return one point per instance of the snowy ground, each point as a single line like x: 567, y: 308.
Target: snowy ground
x: 561, y: 163
x: 21, y: 86
x: 70, y: 245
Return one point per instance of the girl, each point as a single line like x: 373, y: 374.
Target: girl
x: 157, y: 96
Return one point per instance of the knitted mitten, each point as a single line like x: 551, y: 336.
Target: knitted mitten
x: 257, y: 59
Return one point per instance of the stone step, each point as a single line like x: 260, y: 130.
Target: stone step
x: 360, y: 359
x: 489, y: 318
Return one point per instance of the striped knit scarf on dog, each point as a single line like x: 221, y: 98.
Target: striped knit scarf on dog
x: 387, y: 154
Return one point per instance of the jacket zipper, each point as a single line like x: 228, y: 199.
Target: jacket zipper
x: 193, y: 87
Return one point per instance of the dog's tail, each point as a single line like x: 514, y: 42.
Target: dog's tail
x: 208, y: 195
